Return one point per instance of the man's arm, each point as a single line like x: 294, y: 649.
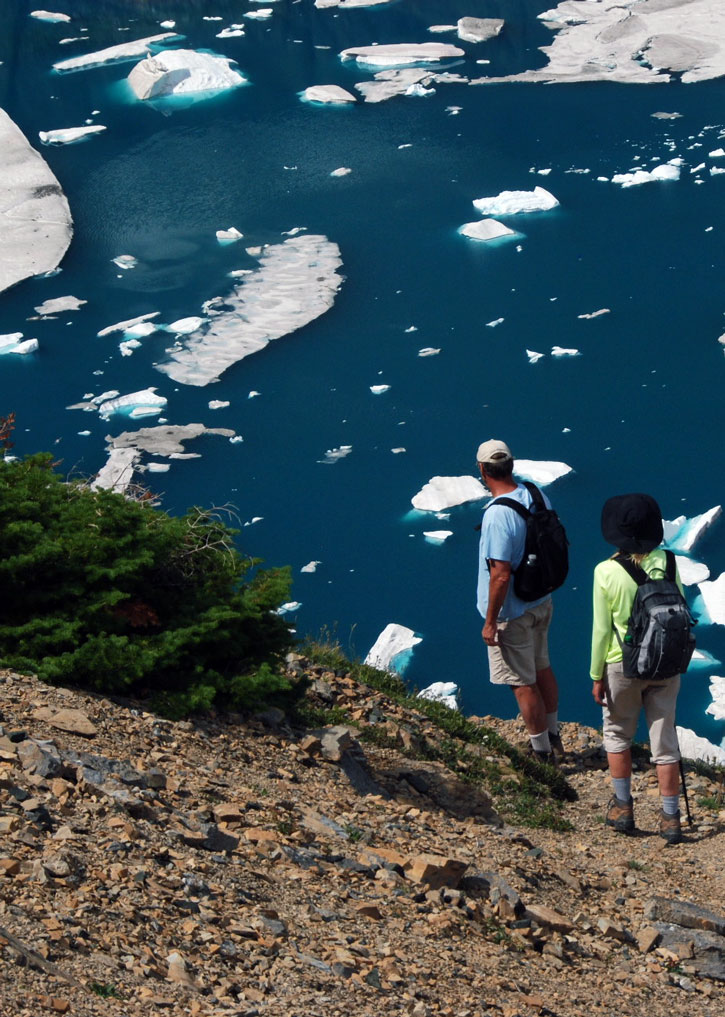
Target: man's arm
x: 498, y: 584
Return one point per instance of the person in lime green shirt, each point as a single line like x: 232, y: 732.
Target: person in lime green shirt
x: 633, y: 523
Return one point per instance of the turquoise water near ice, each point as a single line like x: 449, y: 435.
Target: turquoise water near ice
x: 639, y: 409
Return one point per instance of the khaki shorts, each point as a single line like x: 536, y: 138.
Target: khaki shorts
x: 626, y: 698
x: 523, y: 647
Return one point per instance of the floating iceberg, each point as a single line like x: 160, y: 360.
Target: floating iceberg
x: 495, y: 323
x: 328, y: 94
x: 681, y: 534
x: 13, y: 342
x: 392, y: 649
x: 137, y: 404
x: 691, y: 572
x: 514, y: 202
x: 311, y: 566
x: 351, y: 3
x: 35, y: 220
x: 694, y: 747
x: 713, y: 598
x: 185, y: 326
x: 229, y: 236
x: 49, y: 16
x: 666, y: 171
x: 429, y: 351
x: 437, y: 536
x: 182, y: 72
x: 113, y: 54
x: 716, y: 708
x: 595, y: 314
x: 444, y: 492
x: 334, y: 454
x: 561, y: 351
x: 341, y: 171
x: 218, y: 404
x: 295, y: 283
x: 260, y: 14
x: 125, y: 261
x: 486, y: 229
x: 541, y: 472
x: 128, y: 325
x: 60, y: 304
x: 442, y: 692
x: 117, y: 473
x: 400, y: 54
x: 128, y: 346
x: 379, y: 389
x: 289, y: 607
x: 478, y: 29
x: 69, y: 135
x: 534, y: 356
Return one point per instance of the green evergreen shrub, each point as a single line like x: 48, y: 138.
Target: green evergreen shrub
x: 113, y: 594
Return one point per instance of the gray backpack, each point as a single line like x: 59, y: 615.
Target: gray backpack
x: 659, y: 642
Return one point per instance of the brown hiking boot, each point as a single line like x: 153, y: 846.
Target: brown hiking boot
x: 557, y: 746
x: 541, y: 757
x: 620, y: 815
x: 670, y: 828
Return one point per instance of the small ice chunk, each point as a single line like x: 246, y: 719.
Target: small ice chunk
x: 595, y: 314
x: 158, y: 467
x: 253, y: 394
x: 486, y: 229
x: 379, y: 389
x: 341, y: 171
x: 392, y: 649
x: 261, y: 13
x: 440, y: 29
x: 182, y: 72
x: 233, y: 32
x: 715, y: 170
x: 112, y: 54
x: 666, y: 171
x: 681, y: 533
x: 478, y: 29
x: 334, y: 454
x: 411, y: 328
x: 437, y: 536
x: 544, y: 172
x: 328, y: 94
x: 494, y: 323
x: 69, y: 135
x: 228, y: 236
x: 442, y: 692
x: 560, y: 351
x: 218, y: 404
x: 691, y: 572
x: 534, y: 356
x: 236, y: 439
x: 167, y: 24
x: 718, y: 153
x: 126, y: 326
x: 515, y: 202
x: 290, y: 606
x: 51, y: 16
x: 128, y: 346
x: 136, y: 404
x: 692, y: 746
x: 125, y: 261
x: 442, y: 493
x: 541, y: 472
x: 401, y: 54
x: 184, y: 326
x: 397, y: 451
x: 311, y: 566
x: 60, y: 304
x: 429, y: 351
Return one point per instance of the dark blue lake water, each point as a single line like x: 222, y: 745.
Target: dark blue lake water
x: 639, y: 409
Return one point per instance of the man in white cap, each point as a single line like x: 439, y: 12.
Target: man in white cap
x: 515, y: 631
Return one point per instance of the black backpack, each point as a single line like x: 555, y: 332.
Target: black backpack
x: 658, y: 642
x: 545, y: 564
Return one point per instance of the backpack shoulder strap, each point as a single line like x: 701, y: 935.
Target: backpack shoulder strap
x: 510, y: 503
x: 635, y: 571
x: 671, y: 567
x: 536, y: 495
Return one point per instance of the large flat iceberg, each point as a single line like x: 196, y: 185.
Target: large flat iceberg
x: 113, y: 54
x: 486, y: 229
x: 442, y: 493
x: 401, y: 53
x: 69, y: 135
x: 35, y: 220
x: 392, y: 649
x: 295, y: 283
x: 514, y: 202
x: 182, y: 72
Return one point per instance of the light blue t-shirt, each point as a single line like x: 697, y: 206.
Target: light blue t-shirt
x: 503, y: 537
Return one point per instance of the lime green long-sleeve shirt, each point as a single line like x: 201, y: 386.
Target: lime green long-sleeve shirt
x: 614, y: 593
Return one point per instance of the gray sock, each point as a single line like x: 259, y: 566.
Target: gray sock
x: 622, y: 788
x: 670, y: 804
x: 541, y: 742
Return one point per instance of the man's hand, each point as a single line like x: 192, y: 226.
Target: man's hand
x: 490, y: 633
x: 599, y: 692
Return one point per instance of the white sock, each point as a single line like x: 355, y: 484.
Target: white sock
x: 540, y: 742
x: 552, y: 722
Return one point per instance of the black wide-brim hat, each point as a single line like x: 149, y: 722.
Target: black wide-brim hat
x: 632, y: 522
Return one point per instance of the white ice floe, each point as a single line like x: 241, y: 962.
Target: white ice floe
x: 218, y: 404
x: 379, y: 389
x: 128, y: 346
x: 125, y: 261
x: 397, y: 451
x: 328, y: 94
x: 113, y: 54
x: 515, y: 202
x: 295, y: 283
x: 341, y: 171
x: 541, y: 472
x: 49, y: 16
x: 486, y: 229
x: 691, y: 572
x: 717, y: 153
x: 260, y: 14
x: 13, y: 342
x: 135, y: 404
x: 716, y: 170
x: 441, y: 692
x: 713, y: 598
x: 716, y: 708
x: 59, y: 304
x: 534, y: 356
x: 494, y: 323
x: 441, y: 29
x: 289, y: 607
x: 665, y: 171
x: 229, y: 236
x: 437, y: 536
x: 444, y: 492
x: 158, y: 467
x: 117, y: 473
x: 351, y: 3
x: 35, y: 220
x: 681, y: 534
x: 392, y: 649
x: 334, y: 454
x: 478, y: 29
x: 595, y: 314
x: 311, y: 566
x: 401, y: 54
x: 233, y: 32
x: 561, y: 351
x: 183, y: 72
x: 692, y: 746
x: 236, y: 439
x: 185, y: 326
x: 429, y: 351
x: 69, y: 135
